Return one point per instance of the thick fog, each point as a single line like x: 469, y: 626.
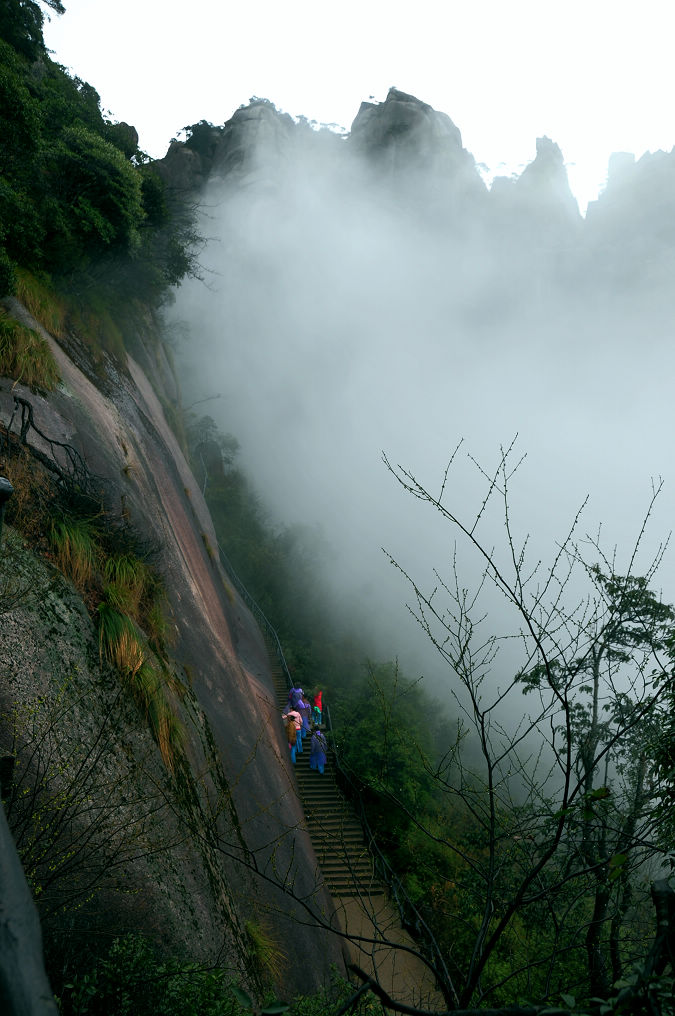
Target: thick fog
x: 350, y: 310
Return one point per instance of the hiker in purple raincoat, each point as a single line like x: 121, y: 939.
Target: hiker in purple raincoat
x: 305, y: 710
x: 294, y: 696
x: 318, y: 749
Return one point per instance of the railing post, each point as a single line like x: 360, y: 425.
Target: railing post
x: 6, y: 491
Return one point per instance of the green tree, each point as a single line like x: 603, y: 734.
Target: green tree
x: 77, y: 200
x: 99, y: 192
x: 21, y: 25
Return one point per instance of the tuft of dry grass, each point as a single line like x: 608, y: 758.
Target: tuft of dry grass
x: 119, y: 641
x: 42, y: 302
x: 268, y: 956
x: 149, y: 692
x: 28, y: 509
x: 25, y: 356
x: 126, y: 578
x: 75, y: 549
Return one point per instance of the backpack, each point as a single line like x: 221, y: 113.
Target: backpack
x: 290, y: 732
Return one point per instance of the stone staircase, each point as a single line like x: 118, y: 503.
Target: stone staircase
x: 336, y: 833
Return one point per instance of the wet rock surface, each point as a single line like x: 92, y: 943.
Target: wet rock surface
x: 199, y: 896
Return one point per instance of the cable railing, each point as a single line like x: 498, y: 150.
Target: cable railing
x: 408, y: 912
x: 257, y: 612
x: 409, y: 915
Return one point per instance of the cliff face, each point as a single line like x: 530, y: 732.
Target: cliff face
x: 194, y: 838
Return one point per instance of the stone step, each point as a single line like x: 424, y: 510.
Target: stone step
x: 332, y: 826
x: 342, y: 875
x: 336, y: 834
x: 326, y: 844
x: 355, y: 889
x: 335, y: 865
x: 328, y: 792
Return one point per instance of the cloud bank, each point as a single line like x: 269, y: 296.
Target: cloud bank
x: 350, y: 311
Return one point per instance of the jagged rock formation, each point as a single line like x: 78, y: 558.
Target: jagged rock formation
x: 405, y: 139
x: 539, y: 199
x: 402, y: 139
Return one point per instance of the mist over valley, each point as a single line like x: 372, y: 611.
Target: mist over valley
x: 368, y: 294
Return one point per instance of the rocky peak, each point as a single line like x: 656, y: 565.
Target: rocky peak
x: 631, y: 226
x: 539, y: 201
x: 400, y: 117
x: 257, y: 135
x: 544, y: 182
x: 181, y: 169
x: 404, y: 133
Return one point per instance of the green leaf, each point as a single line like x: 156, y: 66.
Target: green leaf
x: 275, y: 1007
x: 569, y: 1000
x: 243, y: 998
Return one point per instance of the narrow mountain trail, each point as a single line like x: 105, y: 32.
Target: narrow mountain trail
x: 361, y: 901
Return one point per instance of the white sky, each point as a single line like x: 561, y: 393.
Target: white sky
x: 596, y: 76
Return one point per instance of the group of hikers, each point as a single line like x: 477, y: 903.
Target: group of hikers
x: 301, y: 720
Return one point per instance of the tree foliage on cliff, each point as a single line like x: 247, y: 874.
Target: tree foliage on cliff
x: 78, y: 200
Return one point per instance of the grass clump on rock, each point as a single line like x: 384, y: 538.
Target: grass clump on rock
x: 25, y: 356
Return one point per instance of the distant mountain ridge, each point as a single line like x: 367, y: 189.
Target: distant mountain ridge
x: 404, y: 136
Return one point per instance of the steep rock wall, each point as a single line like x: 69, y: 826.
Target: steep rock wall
x: 259, y: 849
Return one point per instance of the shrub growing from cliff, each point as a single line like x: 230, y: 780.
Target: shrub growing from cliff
x: 135, y: 978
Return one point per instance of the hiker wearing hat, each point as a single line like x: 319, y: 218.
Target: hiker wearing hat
x: 292, y: 716
x: 294, y: 696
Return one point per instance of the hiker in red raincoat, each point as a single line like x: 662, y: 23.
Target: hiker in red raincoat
x: 317, y: 707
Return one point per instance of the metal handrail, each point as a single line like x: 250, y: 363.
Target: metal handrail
x: 409, y: 914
